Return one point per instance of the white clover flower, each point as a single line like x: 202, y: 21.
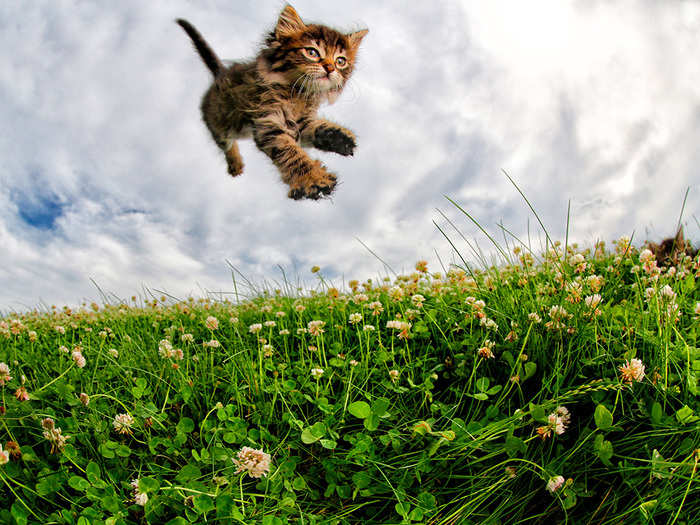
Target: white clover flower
x: 165, y: 348
x: 355, y: 318
x: 486, y: 350
x: 488, y: 323
x: 667, y: 293
x: 576, y: 259
x: 396, y: 293
x: 559, y: 316
x: 564, y: 414
x: 376, y: 307
x: 411, y: 313
x: 53, y: 435
x: 555, y: 483
x: 254, y: 462
x: 316, y: 327
x: 5, y: 376
x: 122, y: 423
x: 78, y: 359
x: 533, y: 317
x: 417, y: 300
x: 558, y: 312
x: 559, y: 420
x: 673, y: 311
x: 402, y: 326
x: 646, y: 256
x: 255, y: 328
x: 360, y: 298
x: 398, y: 325
x: 632, y: 370
x: 140, y: 498
x: 595, y: 282
x: 316, y: 373
x: 593, y: 301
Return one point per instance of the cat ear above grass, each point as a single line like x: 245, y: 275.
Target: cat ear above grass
x: 289, y: 22
x: 356, y: 37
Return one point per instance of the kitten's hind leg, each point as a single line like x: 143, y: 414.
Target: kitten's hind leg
x: 329, y: 136
x: 233, y: 158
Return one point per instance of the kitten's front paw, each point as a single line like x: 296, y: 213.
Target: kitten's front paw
x: 339, y: 140
x: 313, y: 185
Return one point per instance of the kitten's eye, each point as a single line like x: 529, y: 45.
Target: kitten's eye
x: 313, y: 53
x: 341, y: 61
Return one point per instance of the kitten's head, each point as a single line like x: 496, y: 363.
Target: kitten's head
x: 312, y: 59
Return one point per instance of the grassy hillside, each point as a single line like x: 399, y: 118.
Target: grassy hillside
x: 556, y: 388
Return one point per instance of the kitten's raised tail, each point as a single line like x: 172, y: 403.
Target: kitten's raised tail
x: 210, y: 59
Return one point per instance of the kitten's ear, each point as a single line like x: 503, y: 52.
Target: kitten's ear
x: 680, y: 238
x: 356, y: 37
x: 289, y: 22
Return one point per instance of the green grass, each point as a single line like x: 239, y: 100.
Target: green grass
x: 450, y: 418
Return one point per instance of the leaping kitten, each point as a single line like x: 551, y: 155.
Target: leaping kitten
x: 275, y: 97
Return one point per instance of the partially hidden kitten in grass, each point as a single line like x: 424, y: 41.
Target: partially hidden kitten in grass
x: 672, y: 250
x: 274, y: 98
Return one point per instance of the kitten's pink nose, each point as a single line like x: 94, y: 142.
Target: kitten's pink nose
x: 329, y: 67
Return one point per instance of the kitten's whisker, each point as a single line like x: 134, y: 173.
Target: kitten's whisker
x: 308, y: 85
x: 291, y: 90
x: 304, y: 85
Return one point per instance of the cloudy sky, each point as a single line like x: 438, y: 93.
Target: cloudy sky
x: 109, y: 179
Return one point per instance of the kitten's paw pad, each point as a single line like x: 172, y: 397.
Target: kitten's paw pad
x: 338, y: 140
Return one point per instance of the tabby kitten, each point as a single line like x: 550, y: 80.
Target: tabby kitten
x: 274, y: 98
x: 672, y: 250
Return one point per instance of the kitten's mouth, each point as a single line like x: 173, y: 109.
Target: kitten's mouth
x: 328, y: 83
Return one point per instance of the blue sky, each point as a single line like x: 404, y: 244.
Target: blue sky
x: 108, y: 175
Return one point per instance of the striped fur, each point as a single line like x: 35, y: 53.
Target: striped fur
x: 275, y: 97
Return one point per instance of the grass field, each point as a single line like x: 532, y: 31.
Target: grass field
x: 555, y: 388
